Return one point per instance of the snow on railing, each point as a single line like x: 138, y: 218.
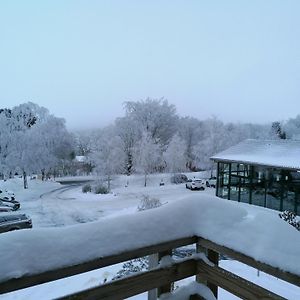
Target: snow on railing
x: 254, y: 236
x: 208, y: 273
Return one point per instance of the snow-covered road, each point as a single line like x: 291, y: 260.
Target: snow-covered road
x: 67, y: 205
x: 51, y: 204
x: 58, y: 193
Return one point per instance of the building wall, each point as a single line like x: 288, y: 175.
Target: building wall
x: 259, y: 185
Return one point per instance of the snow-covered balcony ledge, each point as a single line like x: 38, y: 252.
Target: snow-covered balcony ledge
x: 233, y: 228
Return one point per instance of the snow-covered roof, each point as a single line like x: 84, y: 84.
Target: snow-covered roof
x: 80, y: 158
x: 275, y: 153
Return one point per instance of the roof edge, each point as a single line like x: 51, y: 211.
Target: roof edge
x: 216, y: 159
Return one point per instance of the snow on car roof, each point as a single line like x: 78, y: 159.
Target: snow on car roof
x: 275, y: 153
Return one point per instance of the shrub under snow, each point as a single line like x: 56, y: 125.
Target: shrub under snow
x: 86, y: 188
x: 147, y: 203
x: 291, y: 218
x: 100, y: 188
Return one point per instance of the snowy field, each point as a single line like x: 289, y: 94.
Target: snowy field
x: 50, y: 204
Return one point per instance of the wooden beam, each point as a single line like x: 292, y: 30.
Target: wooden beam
x: 139, y: 283
x: 214, y: 258
x: 286, y: 276
x: 167, y: 287
x: 234, y: 284
x: 66, y: 271
x: 200, y: 249
x: 152, y: 264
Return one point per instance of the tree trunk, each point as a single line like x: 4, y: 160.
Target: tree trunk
x: 145, y: 183
x: 108, y: 182
x: 25, y: 180
x: 129, y: 164
x: 43, y: 174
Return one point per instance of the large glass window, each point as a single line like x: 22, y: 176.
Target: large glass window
x: 223, y: 180
x: 234, y: 183
x: 274, y: 188
x: 259, y: 186
x: 245, y: 182
x: 291, y: 195
x: 263, y: 186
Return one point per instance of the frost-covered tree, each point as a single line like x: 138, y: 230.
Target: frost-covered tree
x: 5, y: 140
x: 107, y: 155
x: 277, y: 131
x: 127, y: 130
x: 32, y: 140
x: 254, y: 131
x: 147, y: 156
x: 156, y: 117
x: 174, y: 156
x: 292, y: 128
x: 59, y: 143
x: 83, y: 140
x: 219, y: 136
x: 213, y: 142
x: 191, y: 131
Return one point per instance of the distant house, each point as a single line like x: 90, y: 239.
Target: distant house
x: 264, y: 173
x: 81, y: 165
x: 80, y: 158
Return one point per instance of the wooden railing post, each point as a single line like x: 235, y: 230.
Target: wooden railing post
x: 200, y: 249
x: 214, y: 258
x: 168, y: 287
x: 153, y: 263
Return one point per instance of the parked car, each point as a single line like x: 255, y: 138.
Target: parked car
x: 14, y: 222
x: 5, y: 208
x: 179, y: 178
x: 211, y: 182
x: 13, y: 204
x: 195, y: 184
x: 7, y: 195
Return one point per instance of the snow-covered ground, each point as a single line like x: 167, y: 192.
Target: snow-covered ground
x: 50, y: 204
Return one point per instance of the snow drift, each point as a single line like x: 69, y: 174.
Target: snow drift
x: 254, y: 231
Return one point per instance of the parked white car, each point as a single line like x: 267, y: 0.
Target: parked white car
x: 195, y: 184
x: 211, y: 182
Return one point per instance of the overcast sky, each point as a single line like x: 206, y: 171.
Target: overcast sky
x: 237, y: 60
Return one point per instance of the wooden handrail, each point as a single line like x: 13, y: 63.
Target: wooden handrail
x: 131, y: 285
x: 66, y: 271
x: 234, y: 284
x: 284, y: 275
x: 213, y: 275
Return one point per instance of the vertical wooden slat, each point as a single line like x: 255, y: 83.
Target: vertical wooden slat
x: 201, y: 249
x: 213, y: 256
x: 165, y: 288
x: 153, y: 263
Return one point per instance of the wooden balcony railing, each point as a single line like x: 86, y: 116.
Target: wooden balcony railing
x: 161, y: 277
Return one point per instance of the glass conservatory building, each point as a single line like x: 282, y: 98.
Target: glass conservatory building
x: 264, y: 173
